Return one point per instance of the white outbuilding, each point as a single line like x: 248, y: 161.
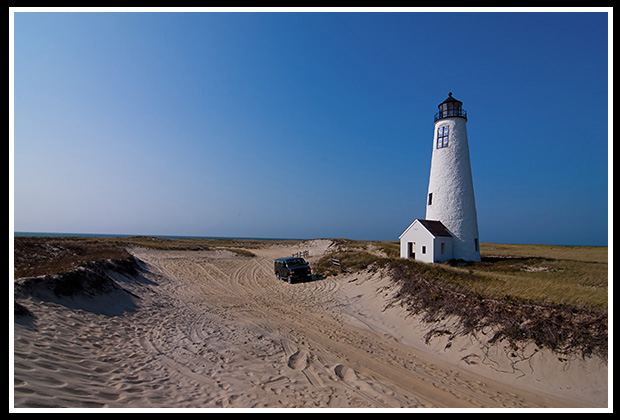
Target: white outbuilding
x: 427, y: 241
x: 450, y: 228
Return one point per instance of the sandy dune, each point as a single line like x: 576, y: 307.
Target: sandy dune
x: 213, y: 329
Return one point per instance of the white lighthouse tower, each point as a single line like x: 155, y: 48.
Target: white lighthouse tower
x: 450, y: 229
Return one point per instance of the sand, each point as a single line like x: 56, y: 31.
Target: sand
x: 212, y: 329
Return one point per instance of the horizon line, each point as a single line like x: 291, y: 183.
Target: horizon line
x: 169, y: 236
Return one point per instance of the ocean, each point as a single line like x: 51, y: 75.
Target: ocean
x: 109, y: 235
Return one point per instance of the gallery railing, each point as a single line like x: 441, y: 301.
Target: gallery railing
x: 451, y: 113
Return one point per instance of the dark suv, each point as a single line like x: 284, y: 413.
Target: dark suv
x: 292, y: 269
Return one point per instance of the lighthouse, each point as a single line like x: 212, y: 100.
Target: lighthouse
x: 450, y: 228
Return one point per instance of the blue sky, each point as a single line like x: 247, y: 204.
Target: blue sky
x: 306, y: 125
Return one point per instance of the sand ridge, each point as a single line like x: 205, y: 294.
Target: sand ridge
x: 211, y: 329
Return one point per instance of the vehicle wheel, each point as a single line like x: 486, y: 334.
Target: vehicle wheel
x: 290, y: 279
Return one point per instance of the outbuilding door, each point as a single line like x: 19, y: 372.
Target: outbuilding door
x: 411, y: 250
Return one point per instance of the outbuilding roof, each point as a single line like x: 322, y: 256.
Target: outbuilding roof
x: 435, y: 227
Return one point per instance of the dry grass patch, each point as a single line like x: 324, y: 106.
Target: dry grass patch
x: 34, y: 256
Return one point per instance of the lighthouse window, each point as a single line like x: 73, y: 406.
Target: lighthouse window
x: 442, y: 137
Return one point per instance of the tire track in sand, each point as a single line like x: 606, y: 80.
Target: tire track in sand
x: 229, y: 334
x: 256, y: 295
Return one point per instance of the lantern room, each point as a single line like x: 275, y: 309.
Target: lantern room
x: 451, y: 107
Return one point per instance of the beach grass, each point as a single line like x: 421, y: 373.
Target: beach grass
x: 38, y: 256
x: 569, y: 275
